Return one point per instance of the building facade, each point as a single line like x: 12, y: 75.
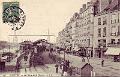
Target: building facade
x: 106, y: 29
x: 85, y: 25
x: 95, y: 28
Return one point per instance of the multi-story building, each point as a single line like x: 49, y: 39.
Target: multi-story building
x: 95, y: 27
x: 73, y: 30
x: 101, y: 33
x: 61, y: 39
x: 81, y: 28
x: 84, y: 27
x: 64, y: 38
x: 85, y: 24
x: 106, y: 29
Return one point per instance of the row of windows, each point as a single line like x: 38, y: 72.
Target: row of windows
x: 104, y: 21
x: 87, y: 12
x: 84, y: 40
x: 100, y: 32
x: 84, y: 34
x: 102, y: 42
x: 113, y: 41
x: 114, y: 19
x: 86, y: 23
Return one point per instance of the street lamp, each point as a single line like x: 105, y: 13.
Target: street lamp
x: 64, y: 51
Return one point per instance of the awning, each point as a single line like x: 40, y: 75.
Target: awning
x: 112, y: 51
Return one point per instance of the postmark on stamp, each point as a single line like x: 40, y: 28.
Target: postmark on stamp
x: 13, y: 15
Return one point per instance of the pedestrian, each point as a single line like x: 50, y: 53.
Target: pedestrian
x: 63, y: 69
x: 70, y: 71
x: 68, y: 63
x: 61, y: 64
x: 102, y: 62
x: 83, y: 59
x: 18, y: 66
x: 88, y: 56
x: 30, y: 62
x: 65, y: 73
x: 56, y: 66
x: 25, y: 58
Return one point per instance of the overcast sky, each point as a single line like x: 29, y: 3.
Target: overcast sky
x: 41, y: 15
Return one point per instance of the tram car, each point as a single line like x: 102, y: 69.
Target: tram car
x: 35, y: 49
x: 39, y: 47
x: 26, y: 47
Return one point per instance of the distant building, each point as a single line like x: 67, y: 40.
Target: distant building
x: 85, y: 25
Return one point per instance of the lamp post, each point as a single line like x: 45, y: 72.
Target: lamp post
x: 64, y: 51
x: 64, y: 55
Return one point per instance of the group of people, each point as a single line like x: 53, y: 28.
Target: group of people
x: 64, y: 66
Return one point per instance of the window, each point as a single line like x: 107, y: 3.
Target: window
x: 99, y: 32
x: 111, y: 21
x: 118, y: 30
x: 113, y: 31
x: 114, y: 18
x: 88, y: 42
x: 104, y: 43
x: 99, y: 21
x: 118, y: 41
x: 104, y: 32
x: 112, y: 41
x: 99, y: 43
x: 104, y: 20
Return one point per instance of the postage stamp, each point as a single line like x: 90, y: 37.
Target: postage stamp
x: 13, y: 15
x: 6, y: 5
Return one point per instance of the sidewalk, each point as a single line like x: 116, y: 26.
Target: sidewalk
x: 110, y: 68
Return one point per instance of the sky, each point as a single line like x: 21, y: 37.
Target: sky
x: 42, y: 15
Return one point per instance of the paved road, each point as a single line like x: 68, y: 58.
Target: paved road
x: 42, y: 71
x: 110, y: 68
x: 47, y: 70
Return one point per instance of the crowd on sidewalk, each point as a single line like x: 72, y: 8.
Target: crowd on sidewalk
x: 64, y: 66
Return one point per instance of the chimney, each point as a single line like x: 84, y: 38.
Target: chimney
x: 81, y: 9
x: 84, y: 6
x: 88, y: 4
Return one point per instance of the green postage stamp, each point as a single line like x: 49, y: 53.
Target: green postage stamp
x: 6, y: 5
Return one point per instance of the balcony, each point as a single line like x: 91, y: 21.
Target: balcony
x: 113, y: 45
x: 115, y: 34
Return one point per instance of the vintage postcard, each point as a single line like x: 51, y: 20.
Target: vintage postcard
x: 58, y: 38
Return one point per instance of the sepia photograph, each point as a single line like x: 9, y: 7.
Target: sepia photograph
x: 59, y: 38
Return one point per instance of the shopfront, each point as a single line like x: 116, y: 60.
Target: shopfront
x: 114, y: 52
x: 100, y: 52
